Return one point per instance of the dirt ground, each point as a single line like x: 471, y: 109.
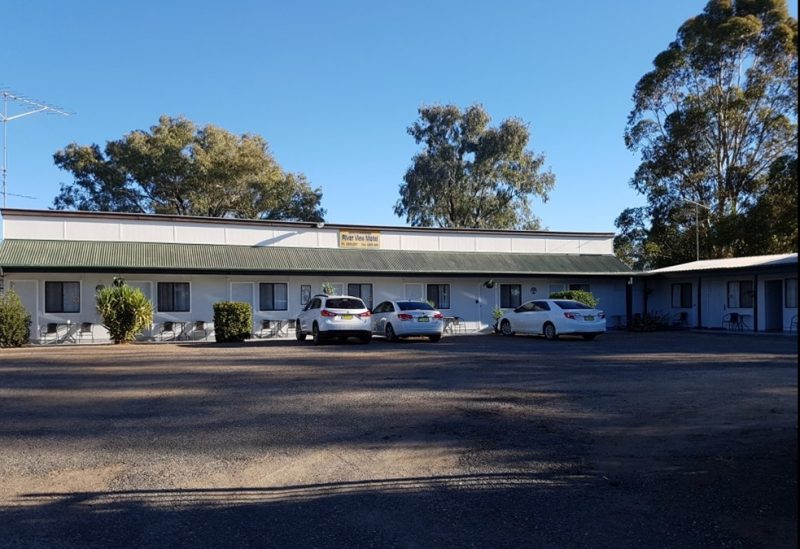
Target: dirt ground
x: 632, y: 440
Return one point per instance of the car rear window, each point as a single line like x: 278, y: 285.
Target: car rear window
x: 344, y: 303
x: 571, y: 305
x: 414, y: 306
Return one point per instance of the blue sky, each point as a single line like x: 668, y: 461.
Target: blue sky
x: 332, y: 86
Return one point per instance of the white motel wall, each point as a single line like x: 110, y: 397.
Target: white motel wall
x: 55, y: 261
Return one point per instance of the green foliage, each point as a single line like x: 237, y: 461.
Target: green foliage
x: 497, y: 312
x: 176, y: 168
x: 125, y: 311
x: 587, y: 298
x: 650, y: 322
x: 470, y: 174
x: 713, y: 121
x: 327, y: 288
x: 15, y: 322
x: 233, y: 321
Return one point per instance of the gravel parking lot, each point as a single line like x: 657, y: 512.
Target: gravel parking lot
x: 633, y: 440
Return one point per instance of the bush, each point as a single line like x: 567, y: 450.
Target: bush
x: 233, y: 321
x: 650, y: 322
x: 125, y: 310
x: 577, y: 295
x: 15, y: 322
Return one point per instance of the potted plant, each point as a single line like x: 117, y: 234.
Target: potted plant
x: 496, y: 314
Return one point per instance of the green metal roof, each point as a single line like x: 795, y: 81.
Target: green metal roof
x: 90, y: 256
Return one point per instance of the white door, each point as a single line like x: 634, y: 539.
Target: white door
x: 243, y: 293
x: 26, y: 290
x: 714, y: 303
x: 487, y: 302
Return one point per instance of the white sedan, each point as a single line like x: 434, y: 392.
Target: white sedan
x: 395, y: 319
x: 554, y: 317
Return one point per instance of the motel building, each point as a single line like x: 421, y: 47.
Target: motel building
x: 57, y: 260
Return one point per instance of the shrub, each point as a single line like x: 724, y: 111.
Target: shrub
x: 15, y: 322
x: 233, y: 321
x: 327, y: 288
x: 650, y: 322
x: 577, y: 295
x: 125, y: 310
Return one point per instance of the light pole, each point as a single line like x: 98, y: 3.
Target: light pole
x: 696, y: 223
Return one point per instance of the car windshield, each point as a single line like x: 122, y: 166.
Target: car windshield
x: 344, y: 303
x: 571, y: 305
x: 414, y: 306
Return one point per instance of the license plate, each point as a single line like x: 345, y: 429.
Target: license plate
x: 347, y: 317
x: 589, y: 318
x: 423, y: 319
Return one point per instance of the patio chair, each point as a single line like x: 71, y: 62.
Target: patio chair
x: 200, y: 326
x: 269, y: 328
x: 168, y: 328
x: 85, y: 331
x: 459, y: 325
x: 733, y: 321
x: 50, y: 329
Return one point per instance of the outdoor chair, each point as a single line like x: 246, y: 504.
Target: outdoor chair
x: 459, y: 325
x: 85, y: 331
x: 269, y: 328
x: 168, y: 328
x: 50, y: 329
x: 200, y: 326
x: 732, y: 321
x: 681, y: 320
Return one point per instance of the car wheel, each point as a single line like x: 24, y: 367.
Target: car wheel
x: 550, y: 332
x: 589, y: 337
x: 365, y: 338
x: 316, y: 336
x: 505, y: 328
x: 298, y: 333
x: 390, y: 335
x: 435, y: 339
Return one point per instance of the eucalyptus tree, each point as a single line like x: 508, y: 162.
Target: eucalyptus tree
x: 713, y: 117
x: 470, y: 174
x: 178, y: 168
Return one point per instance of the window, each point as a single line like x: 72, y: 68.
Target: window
x: 541, y: 306
x: 173, y: 297
x: 510, y: 295
x: 305, y: 293
x: 62, y: 297
x: 385, y: 307
x: 413, y: 306
x: 740, y: 294
x: 344, y: 303
x: 439, y: 295
x: 682, y: 295
x: 554, y: 288
x: 273, y: 296
x: 364, y: 291
x: 580, y: 287
x: 791, y: 293
x: 313, y: 304
x: 338, y: 288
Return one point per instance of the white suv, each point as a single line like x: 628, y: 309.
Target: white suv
x: 334, y: 316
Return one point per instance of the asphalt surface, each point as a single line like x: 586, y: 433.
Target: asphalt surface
x: 632, y: 440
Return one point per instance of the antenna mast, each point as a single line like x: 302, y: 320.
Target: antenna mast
x: 29, y: 106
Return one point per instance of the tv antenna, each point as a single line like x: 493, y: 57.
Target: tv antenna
x: 28, y: 106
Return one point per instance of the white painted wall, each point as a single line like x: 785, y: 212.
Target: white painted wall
x: 468, y: 298
x: 132, y: 230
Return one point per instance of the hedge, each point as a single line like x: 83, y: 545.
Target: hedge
x: 233, y: 321
x: 577, y: 295
x: 15, y: 322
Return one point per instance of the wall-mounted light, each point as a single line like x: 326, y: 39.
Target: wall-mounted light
x: 99, y: 288
x: 489, y: 283
x: 320, y: 224
x: 533, y: 290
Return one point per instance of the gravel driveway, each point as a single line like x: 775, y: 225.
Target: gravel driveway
x: 632, y: 440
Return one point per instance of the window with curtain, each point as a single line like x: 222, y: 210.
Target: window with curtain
x: 791, y: 293
x: 273, y: 296
x: 364, y: 291
x: 740, y: 294
x: 62, y: 297
x: 510, y: 296
x: 682, y: 295
x: 173, y: 297
x: 439, y: 295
